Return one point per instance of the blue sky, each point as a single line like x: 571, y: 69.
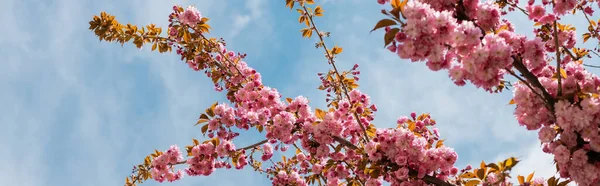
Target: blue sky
x: 81, y: 112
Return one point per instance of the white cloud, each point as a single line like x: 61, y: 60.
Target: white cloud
x: 77, y: 111
x: 240, y: 21
x: 68, y: 100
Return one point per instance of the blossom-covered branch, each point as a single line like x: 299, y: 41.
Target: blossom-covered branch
x: 561, y: 101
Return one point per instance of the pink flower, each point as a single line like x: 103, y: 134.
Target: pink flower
x: 401, y: 173
x: 267, y: 152
x: 547, y: 19
x: 561, y: 154
x: 536, y: 12
x: 373, y: 182
x: 588, y: 10
x: 191, y: 16
x: 563, y: 6
x: 546, y: 134
x: 488, y: 15
x: 382, y: 1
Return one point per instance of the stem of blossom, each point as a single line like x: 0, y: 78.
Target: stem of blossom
x: 559, y: 92
x: 573, y: 57
x: 344, y: 142
x: 588, y: 19
x: 518, y: 7
x: 595, y: 53
x: 255, y: 145
x: 593, y: 66
x: 330, y: 58
x: 430, y: 179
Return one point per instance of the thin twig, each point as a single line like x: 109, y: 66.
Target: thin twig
x: 330, y: 57
x: 255, y: 145
x: 518, y: 7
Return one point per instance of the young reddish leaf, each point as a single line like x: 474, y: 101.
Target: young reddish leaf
x: 510, y: 163
x: 472, y: 182
x: 563, y: 73
x: 396, y: 3
x: 259, y: 128
x: 529, y: 177
x: 383, y: 23
x: 318, y: 11
x: 215, y: 141
x: 468, y: 175
x: 402, y: 4
x: 204, y: 129
x: 186, y: 36
x: 371, y: 131
x: 493, y: 166
x: 306, y: 32
x: 512, y: 102
x: 200, y: 121
x: 439, y: 143
x: 389, y: 36
x: 480, y: 173
x: 521, y: 179
x: 564, y: 183
x: 552, y: 181
x: 289, y: 3
x: 422, y: 116
x: 336, y: 50
x: 320, y: 114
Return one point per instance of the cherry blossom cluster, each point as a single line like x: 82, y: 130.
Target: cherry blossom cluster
x: 259, y: 105
x: 283, y: 179
x: 473, y: 43
x: 341, y: 122
x: 331, y: 140
x: 162, y: 164
x: 407, y: 150
x: 433, y: 34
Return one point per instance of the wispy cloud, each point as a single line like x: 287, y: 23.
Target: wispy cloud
x: 76, y: 111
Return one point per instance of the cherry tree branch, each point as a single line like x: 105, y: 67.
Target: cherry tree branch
x: 557, y: 48
x: 332, y: 62
x: 255, y: 144
x: 518, y: 64
x: 427, y: 178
